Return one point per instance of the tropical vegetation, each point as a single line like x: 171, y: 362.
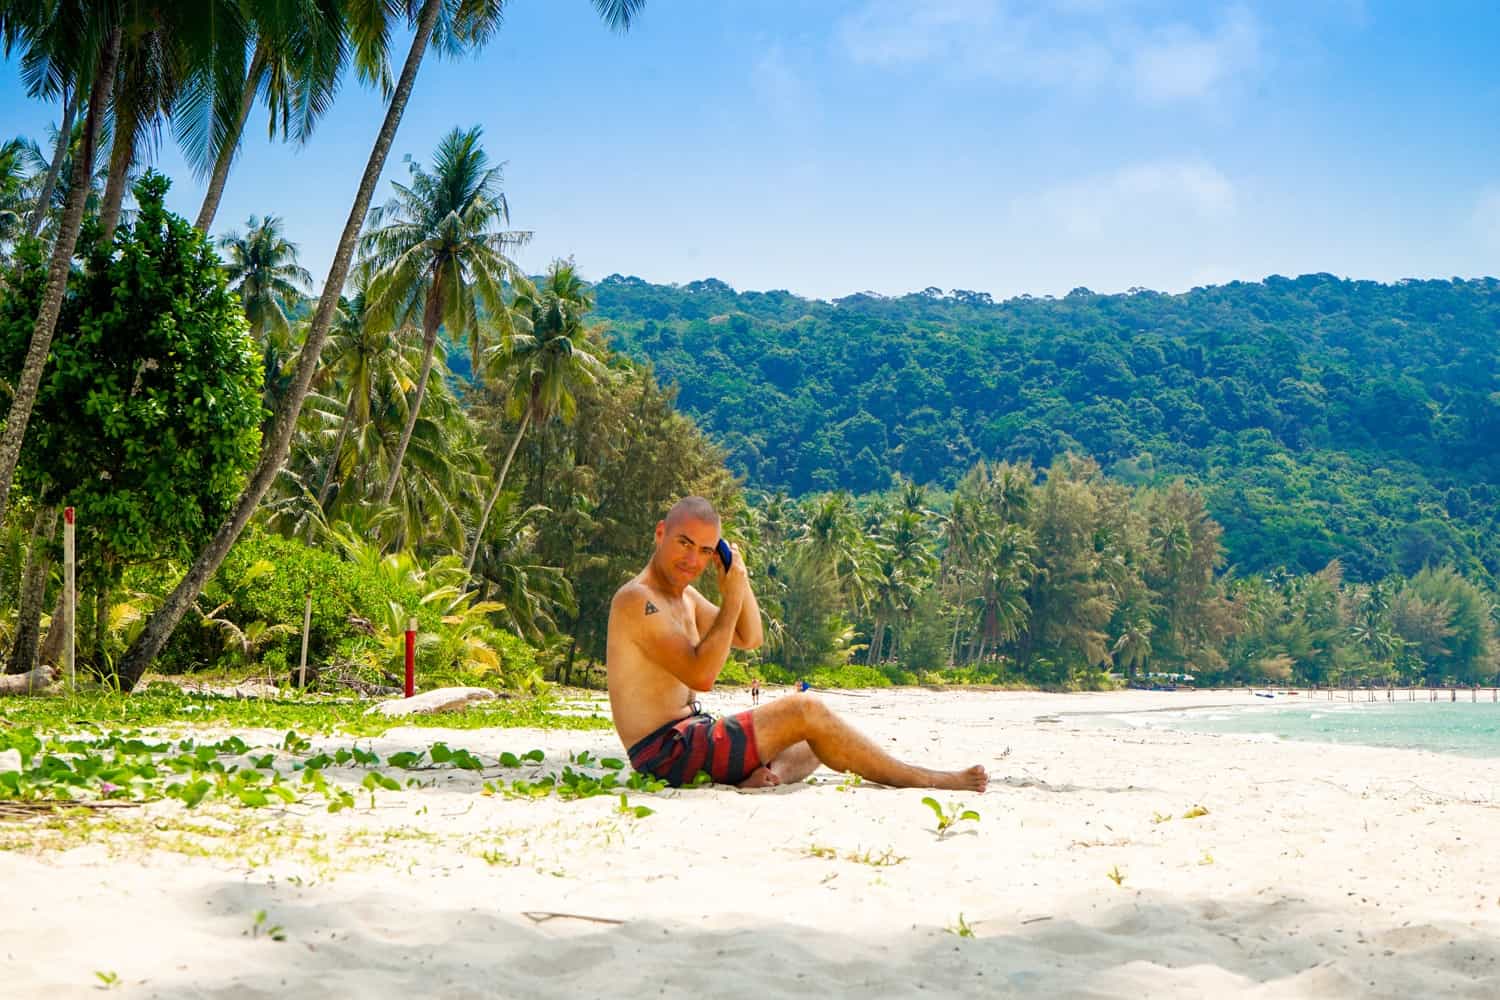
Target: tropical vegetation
x: 1287, y: 480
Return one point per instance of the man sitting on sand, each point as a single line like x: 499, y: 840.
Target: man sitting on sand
x: 667, y: 641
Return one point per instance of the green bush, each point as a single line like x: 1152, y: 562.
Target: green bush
x: 850, y: 675
x: 267, y: 578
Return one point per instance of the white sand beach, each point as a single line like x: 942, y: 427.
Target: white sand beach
x: 1317, y: 871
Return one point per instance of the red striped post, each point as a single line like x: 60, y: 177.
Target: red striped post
x: 411, y: 657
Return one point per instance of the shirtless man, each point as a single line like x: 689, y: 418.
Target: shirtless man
x: 667, y: 641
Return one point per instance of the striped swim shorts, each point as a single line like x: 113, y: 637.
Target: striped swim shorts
x: 676, y: 752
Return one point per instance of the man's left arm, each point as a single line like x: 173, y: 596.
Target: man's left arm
x: 748, y: 633
x: 747, y: 630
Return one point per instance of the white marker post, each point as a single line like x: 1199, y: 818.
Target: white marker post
x: 306, y: 627
x: 69, y: 595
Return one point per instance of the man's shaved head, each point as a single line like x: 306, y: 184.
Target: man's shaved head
x: 693, y: 508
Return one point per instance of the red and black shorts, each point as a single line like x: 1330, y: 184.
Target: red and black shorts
x: 676, y: 752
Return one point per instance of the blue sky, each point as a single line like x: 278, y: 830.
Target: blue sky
x: 835, y: 146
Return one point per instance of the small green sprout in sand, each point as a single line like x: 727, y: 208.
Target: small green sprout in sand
x: 963, y: 928
x: 108, y: 978
x: 955, y: 813
x: 1207, y: 859
x: 820, y: 851
x: 508, y: 759
x: 639, y: 812
x: 1195, y: 812
x: 851, y: 780
x: 1157, y: 817
x: 273, y: 931
x: 1116, y: 876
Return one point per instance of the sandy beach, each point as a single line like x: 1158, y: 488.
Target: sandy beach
x: 1316, y: 871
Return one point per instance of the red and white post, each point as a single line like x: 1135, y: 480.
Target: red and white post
x: 70, y: 563
x: 411, y: 657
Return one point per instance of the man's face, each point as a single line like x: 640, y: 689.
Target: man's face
x: 684, y: 547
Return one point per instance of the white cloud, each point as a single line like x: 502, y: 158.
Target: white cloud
x: 1080, y: 45
x: 1180, y: 63
x: 1133, y: 200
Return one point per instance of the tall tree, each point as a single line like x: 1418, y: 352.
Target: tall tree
x: 544, y: 362
x: 98, y: 33
x: 471, y: 23
x: 300, y: 50
x: 262, y: 267
x: 438, y: 252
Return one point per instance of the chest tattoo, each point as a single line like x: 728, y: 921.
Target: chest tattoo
x: 651, y: 609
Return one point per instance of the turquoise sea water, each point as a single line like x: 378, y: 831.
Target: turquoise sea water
x: 1467, y: 728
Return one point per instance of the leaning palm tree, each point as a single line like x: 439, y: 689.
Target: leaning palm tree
x: 300, y: 49
x: 545, y: 360
x: 89, y: 34
x: 438, y: 251
x: 470, y: 23
x: 262, y: 267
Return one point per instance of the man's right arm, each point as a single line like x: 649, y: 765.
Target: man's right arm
x: 667, y: 647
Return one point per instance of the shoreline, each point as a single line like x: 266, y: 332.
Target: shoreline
x: 1312, y: 870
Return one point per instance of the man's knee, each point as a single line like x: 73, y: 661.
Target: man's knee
x: 811, y: 710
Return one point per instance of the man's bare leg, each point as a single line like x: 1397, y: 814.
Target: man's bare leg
x: 787, y: 768
x: 795, y: 763
x: 791, y: 720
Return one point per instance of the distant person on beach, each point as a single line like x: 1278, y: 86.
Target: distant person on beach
x: 667, y: 641
x: 755, y: 691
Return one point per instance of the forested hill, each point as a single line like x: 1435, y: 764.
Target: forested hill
x: 1323, y: 418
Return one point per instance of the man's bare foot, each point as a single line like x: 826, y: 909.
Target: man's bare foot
x: 761, y: 777
x: 972, y: 779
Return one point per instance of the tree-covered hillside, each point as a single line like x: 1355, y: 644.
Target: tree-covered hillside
x: 1323, y: 418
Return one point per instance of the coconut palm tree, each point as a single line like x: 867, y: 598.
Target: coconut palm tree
x: 262, y: 267
x: 438, y: 251
x: 94, y: 33
x: 301, y: 47
x: 472, y: 22
x: 547, y: 357
x: 14, y: 179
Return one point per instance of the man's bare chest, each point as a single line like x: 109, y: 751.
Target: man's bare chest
x: 677, y: 615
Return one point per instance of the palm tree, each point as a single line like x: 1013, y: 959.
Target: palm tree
x: 96, y: 35
x: 262, y: 266
x: 547, y: 357
x: 13, y: 183
x: 471, y: 24
x: 438, y: 252
x: 165, y: 47
x: 50, y: 67
x: 301, y: 47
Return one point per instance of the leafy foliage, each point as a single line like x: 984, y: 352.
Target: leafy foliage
x: 1322, y: 418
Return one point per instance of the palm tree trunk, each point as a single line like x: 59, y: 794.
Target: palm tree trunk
x: 101, y: 624
x: 57, y: 275
x: 338, y: 449
x: 57, y: 631
x: 159, y: 627
x: 484, y: 519
x: 232, y: 141
x: 64, y: 140
x: 33, y: 592
x: 877, y: 637
x: 432, y: 318
x: 121, y: 155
